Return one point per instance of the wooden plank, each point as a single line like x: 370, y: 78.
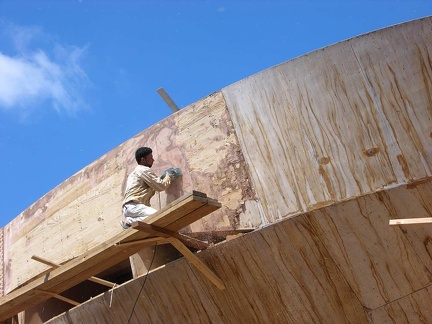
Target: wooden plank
x: 44, y: 261
x: 409, y: 221
x: 165, y: 96
x: 193, y: 207
x: 51, y: 294
x: 143, y: 242
x: 55, y: 265
x: 185, y: 221
x: 218, y: 236
x: 155, y: 230
x: 102, y: 282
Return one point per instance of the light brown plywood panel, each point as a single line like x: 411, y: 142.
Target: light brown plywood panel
x: 381, y: 263
x: 280, y: 274
x: 413, y: 308
x: 339, y: 122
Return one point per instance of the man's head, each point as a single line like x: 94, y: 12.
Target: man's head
x: 144, y: 156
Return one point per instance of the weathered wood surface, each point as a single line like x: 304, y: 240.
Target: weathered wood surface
x: 173, y: 217
x: 414, y: 308
x: 85, y: 210
x: 340, y: 122
x: 341, y: 264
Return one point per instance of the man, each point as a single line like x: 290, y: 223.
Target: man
x: 141, y: 185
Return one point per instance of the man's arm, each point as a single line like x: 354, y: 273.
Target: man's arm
x: 156, y: 182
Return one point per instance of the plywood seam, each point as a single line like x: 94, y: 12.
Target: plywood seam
x: 370, y: 310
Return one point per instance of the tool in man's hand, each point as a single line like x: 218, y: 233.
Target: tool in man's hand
x: 174, y: 172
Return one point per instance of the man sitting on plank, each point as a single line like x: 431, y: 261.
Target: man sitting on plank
x: 141, y: 185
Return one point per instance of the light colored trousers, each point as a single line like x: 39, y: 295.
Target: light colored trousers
x: 136, y: 212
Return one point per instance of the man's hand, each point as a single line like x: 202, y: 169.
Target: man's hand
x: 172, y: 172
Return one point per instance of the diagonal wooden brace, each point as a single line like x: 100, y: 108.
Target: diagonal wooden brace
x: 162, y: 232
x: 192, y: 258
x: 147, y: 241
x: 173, y: 238
x: 55, y: 265
x: 57, y: 296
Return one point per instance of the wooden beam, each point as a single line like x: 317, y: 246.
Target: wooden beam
x: 146, y: 241
x: 168, y: 100
x: 192, y: 258
x: 55, y: 265
x: 410, y: 221
x: 155, y: 230
x: 67, y: 300
x: 102, y: 282
x: 174, y: 216
x: 44, y: 261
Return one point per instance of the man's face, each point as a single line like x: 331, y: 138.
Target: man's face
x: 147, y: 160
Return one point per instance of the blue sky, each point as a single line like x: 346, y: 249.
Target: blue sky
x: 78, y: 78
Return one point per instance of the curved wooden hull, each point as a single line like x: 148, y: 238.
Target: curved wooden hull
x: 317, y: 154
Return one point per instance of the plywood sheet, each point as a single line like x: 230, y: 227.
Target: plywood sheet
x: 342, y: 264
x: 414, y: 308
x: 381, y: 263
x: 280, y: 274
x: 339, y: 122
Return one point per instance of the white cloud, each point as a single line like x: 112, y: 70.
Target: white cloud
x: 32, y: 78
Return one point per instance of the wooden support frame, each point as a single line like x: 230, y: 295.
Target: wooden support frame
x: 162, y: 232
x: 410, y: 221
x: 146, y: 241
x: 174, y: 216
x: 53, y: 265
x: 60, y: 297
x: 176, y: 240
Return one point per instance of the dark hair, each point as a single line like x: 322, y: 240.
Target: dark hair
x: 142, y: 152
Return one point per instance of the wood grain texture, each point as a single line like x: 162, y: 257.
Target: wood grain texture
x: 85, y: 210
x: 381, y: 263
x: 414, y: 308
x: 339, y: 122
x: 274, y: 275
x: 342, y: 264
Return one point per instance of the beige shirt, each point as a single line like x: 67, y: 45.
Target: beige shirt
x: 142, y: 184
